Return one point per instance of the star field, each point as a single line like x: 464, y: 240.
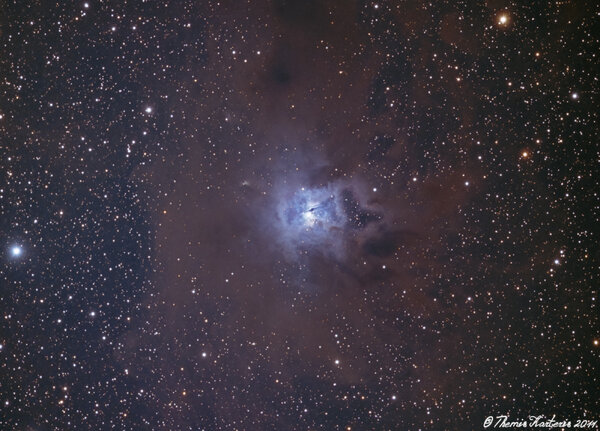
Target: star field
x: 298, y: 214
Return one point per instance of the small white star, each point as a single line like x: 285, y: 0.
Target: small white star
x: 574, y: 96
x: 148, y: 110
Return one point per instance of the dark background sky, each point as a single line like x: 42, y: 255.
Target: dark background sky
x: 297, y: 214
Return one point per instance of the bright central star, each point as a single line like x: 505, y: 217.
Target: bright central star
x: 309, y: 216
x: 16, y: 251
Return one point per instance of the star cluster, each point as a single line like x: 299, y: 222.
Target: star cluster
x: 298, y: 214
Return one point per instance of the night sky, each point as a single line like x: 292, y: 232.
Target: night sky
x: 298, y: 214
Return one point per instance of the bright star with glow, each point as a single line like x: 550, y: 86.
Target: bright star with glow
x: 16, y: 251
x: 310, y: 218
x: 503, y: 19
x: 309, y: 215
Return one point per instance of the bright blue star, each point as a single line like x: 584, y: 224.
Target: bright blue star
x: 16, y: 251
x: 311, y: 219
x: 312, y: 209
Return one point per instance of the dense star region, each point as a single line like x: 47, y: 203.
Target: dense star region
x: 298, y: 214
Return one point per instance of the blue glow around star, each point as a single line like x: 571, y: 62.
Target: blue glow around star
x: 313, y: 209
x: 311, y: 219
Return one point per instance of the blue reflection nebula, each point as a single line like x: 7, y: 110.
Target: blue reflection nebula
x: 311, y: 217
x: 312, y: 210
